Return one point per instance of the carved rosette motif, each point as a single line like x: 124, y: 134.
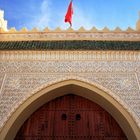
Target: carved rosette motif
x: 20, y: 79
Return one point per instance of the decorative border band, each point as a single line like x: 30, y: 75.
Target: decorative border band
x: 69, y: 55
x: 124, y: 36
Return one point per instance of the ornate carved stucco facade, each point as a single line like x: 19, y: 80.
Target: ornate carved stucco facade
x: 20, y: 78
x: 23, y: 73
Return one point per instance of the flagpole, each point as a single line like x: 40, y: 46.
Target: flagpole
x: 71, y: 24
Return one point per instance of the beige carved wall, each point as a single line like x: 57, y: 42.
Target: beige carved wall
x: 23, y: 73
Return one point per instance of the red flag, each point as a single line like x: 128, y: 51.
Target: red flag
x: 68, y: 17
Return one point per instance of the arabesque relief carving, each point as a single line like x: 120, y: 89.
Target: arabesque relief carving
x: 20, y: 78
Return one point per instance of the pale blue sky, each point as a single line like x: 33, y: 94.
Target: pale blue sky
x: 87, y: 13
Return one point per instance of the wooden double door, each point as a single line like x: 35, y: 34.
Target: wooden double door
x: 70, y: 118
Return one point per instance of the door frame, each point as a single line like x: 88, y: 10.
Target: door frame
x: 77, y: 87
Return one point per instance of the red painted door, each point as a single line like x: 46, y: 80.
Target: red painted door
x: 70, y: 118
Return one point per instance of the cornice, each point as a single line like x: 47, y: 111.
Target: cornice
x: 70, y: 34
x: 69, y: 55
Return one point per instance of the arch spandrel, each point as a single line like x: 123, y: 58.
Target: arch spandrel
x: 78, y: 86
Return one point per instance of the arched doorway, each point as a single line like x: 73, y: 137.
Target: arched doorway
x: 93, y: 92
x: 70, y: 117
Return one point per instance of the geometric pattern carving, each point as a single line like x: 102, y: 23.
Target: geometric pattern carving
x: 124, y: 85
x: 23, y: 77
x: 69, y: 66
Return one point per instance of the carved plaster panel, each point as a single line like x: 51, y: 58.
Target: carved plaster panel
x: 68, y: 66
x: 124, y: 85
x: 23, y: 77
